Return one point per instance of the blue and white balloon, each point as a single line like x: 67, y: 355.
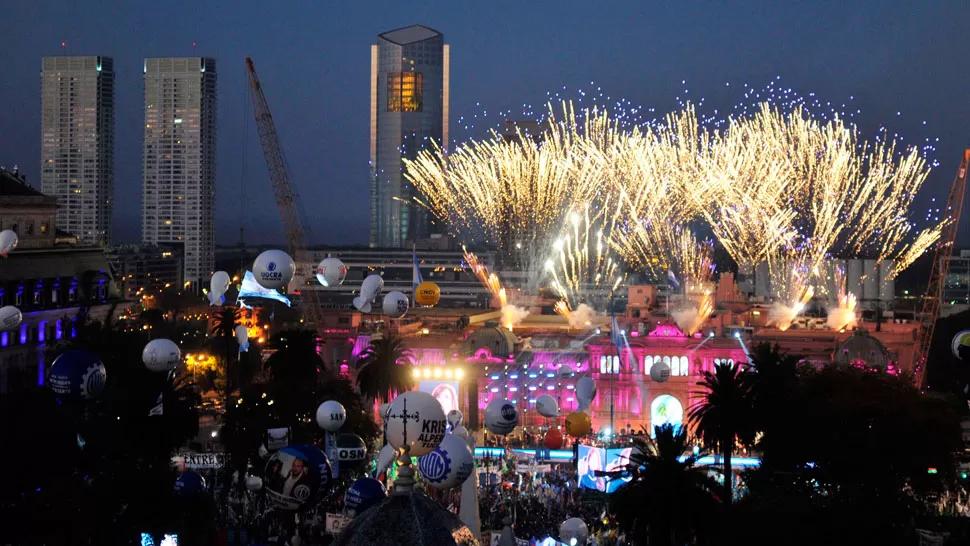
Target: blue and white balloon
x: 585, y: 392
x: 547, y: 406
x: 501, y: 416
x: 242, y: 338
x: 362, y: 494
x: 78, y: 374
x: 274, y: 269
x: 189, y: 484
x: 369, y: 289
x: 218, y: 286
x: 297, y: 477
x: 449, y: 465
x: 455, y: 418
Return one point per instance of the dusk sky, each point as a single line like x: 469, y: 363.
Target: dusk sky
x: 891, y: 56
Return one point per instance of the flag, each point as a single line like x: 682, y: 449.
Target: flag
x: 615, y: 331
x: 251, y: 289
x: 157, y: 410
x: 415, y: 271
x: 672, y: 278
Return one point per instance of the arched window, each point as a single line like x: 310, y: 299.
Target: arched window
x: 673, y: 369
x: 603, y: 364
x: 684, y: 366
x: 616, y: 364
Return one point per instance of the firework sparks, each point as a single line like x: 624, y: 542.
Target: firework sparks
x: 582, y: 269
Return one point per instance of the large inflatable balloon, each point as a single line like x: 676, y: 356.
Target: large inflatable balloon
x: 385, y: 459
x: 297, y: 476
x: 161, y: 355
x: 242, y: 338
x: 565, y: 370
x: 573, y: 532
x: 416, y: 420
x: 8, y: 242
x: 578, y: 424
x: 331, y: 272
x: 383, y: 409
x: 331, y: 415
x: 77, y: 373
x: 501, y: 416
x: 461, y: 432
x: 369, y: 289
x: 553, y: 439
x: 189, y: 484
x: 585, y: 392
x: 547, y: 406
x: 660, y: 372
x: 217, y: 288
x: 395, y: 304
x: 960, y: 344
x: 273, y: 269
x: 449, y: 465
x: 455, y: 418
x: 10, y: 317
x: 427, y: 294
x: 362, y: 494
x: 350, y: 448
x: 254, y: 483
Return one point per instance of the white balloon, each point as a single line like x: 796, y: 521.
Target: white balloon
x: 449, y: 465
x: 8, y: 242
x: 547, y: 406
x: 161, y: 355
x: 385, y: 459
x: 455, y: 418
x: 273, y: 269
x: 383, y: 409
x: 217, y: 287
x: 416, y: 420
x: 10, y: 317
x: 660, y: 372
x: 585, y: 392
x: 242, y: 337
x: 254, y: 483
x: 331, y: 272
x: 395, y: 304
x: 501, y: 416
x: 262, y: 451
x: 331, y: 415
x: 369, y: 289
x: 573, y: 532
x: 461, y: 432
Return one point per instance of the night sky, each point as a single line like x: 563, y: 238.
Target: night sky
x: 313, y: 60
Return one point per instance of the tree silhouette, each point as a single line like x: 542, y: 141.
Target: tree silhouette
x: 382, y: 369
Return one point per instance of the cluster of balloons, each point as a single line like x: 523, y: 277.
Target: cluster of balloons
x: 8, y: 242
x: 10, y: 317
x: 218, y: 286
x: 395, y: 304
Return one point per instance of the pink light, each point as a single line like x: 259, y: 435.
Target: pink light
x: 634, y: 333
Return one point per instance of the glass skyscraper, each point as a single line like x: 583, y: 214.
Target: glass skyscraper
x: 409, y: 110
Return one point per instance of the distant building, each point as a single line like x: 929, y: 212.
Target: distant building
x: 77, y: 143
x: 409, y: 101
x: 146, y: 268
x: 53, y: 282
x: 179, y: 160
x: 956, y: 289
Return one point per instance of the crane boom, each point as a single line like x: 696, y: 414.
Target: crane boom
x: 941, y: 268
x: 287, y: 198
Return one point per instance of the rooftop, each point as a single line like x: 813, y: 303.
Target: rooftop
x: 409, y: 35
x: 12, y: 183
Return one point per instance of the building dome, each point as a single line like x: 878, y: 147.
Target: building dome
x: 862, y: 350
x: 406, y: 519
x: 499, y: 341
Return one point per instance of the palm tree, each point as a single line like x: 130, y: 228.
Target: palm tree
x: 723, y: 415
x: 651, y: 506
x: 381, y: 368
x: 224, y: 323
x: 296, y: 362
x: 773, y: 389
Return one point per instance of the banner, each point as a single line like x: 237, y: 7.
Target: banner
x: 532, y: 468
x: 199, y: 461
x: 337, y: 522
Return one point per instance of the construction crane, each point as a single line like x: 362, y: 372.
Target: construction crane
x: 287, y: 199
x: 941, y: 267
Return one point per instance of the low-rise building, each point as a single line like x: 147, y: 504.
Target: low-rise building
x: 146, y: 268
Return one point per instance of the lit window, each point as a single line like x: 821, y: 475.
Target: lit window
x: 405, y: 91
x: 684, y: 366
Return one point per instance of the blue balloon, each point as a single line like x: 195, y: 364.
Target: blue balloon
x: 189, y: 484
x: 364, y: 493
x: 297, y: 477
x: 78, y: 374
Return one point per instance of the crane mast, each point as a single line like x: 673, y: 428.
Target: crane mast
x: 941, y: 268
x: 287, y: 198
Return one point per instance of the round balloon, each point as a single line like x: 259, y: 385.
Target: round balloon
x: 573, y: 532
x: 427, y: 294
x: 547, y: 406
x: 578, y: 424
x: 416, y: 420
x: 297, y: 476
x: 501, y: 416
x: 461, y: 432
x: 8, y: 242
x: 449, y: 465
x: 362, y: 494
x: 254, y: 483
x: 77, y: 373
x: 454, y: 418
x: 273, y: 269
x: 960, y: 344
x: 565, y: 370
x: 553, y: 439
x: 585, y: 392
x: 331, y: 272
x: 395, y: 304
x: 331, y: 415
x: 660, y: 372
x: 189, y: 484
x: 350, y: 448
x: 369, y: 289
x: 161, y: 355
x: 10, y: 317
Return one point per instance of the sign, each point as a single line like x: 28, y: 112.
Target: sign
x: 337, y: 522
x: 199, y: 461
x: 533, y: 468
x: 351, y: 453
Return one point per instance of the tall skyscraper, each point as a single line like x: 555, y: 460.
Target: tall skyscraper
x: 77, y: 143
x: 179, y: 160
x: 408, y: 109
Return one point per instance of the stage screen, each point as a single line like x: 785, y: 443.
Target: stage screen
x: 593, y: 459
x: 445, y: 392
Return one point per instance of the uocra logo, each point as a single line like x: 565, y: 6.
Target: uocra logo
x: 435, y: 466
